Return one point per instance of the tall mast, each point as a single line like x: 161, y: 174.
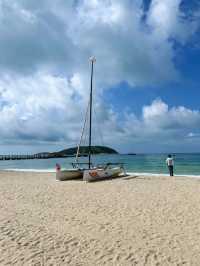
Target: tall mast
x: 92, y: 60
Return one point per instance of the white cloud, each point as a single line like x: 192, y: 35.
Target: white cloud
x: 160, y: 128
x: 125, y: 49
x: 169, y: 21
x: 193, y: 135
x: 60, y: 38
x: 154, y: 111
x: 158, y: 115
x: 164, y: 16
x: 40, y: 107
x: 51, y: 109
x: 45, y: 71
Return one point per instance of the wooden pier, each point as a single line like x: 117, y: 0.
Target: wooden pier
x: 31, y: 156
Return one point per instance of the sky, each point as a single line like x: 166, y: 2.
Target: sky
x: 146, y: 75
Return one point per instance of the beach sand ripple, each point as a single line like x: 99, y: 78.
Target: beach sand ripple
x: 134, y: 221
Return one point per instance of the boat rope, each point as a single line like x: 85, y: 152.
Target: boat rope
x: 84, y: 125
x: 99, y: 131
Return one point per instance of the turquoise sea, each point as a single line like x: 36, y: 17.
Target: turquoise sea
x: 185, y: 164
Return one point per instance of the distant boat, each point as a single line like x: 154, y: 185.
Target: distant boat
x: 90, y: 173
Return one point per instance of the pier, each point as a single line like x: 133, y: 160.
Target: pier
x: 45, y: 155
x: 29, y: 156
x: 23, y: 156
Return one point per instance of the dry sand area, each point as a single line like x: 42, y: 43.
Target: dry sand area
x: 128, y: 221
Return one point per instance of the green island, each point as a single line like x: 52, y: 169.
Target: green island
x: 83, y: 151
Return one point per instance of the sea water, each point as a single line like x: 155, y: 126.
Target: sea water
x: 185, y: 164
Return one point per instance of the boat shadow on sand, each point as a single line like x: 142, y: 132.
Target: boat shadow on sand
x: 108, y: 179
x: 123, y: 177
x: 129, y: 177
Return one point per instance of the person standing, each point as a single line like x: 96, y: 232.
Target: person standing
x: 170, y: 164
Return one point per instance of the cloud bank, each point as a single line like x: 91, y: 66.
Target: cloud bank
x: 45, y: 72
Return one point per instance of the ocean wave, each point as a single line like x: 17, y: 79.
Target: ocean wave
x: 160, y: 174
x: 30, y: 170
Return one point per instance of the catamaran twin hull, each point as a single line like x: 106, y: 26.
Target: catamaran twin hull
x: 102, y: 174
x: 63, y: 175
x: 90, y: 175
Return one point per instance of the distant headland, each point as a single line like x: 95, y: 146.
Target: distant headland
x: 70, y: 152
x: 83, y: 151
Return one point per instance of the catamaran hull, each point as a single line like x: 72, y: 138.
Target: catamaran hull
x: 101, y: 174
x: 63, y: 175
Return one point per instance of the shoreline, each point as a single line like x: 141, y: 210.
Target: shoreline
x: 128, y: 173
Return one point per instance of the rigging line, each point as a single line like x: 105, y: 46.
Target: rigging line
x: 98, y: 128
x: 86, y: 136
x: 83, y: 129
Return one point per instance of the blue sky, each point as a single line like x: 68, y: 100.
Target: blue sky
x: 146, y: 75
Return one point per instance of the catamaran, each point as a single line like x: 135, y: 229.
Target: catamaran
x: 68, y: 174
x: 90, y: 173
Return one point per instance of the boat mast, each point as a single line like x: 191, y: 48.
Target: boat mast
x: 92, y: 60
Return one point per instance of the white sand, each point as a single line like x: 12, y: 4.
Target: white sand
x: 132, y: 221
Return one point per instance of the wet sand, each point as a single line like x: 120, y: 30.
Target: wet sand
x: 137, y: 220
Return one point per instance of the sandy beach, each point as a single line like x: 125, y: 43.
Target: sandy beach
x: 129, y: 221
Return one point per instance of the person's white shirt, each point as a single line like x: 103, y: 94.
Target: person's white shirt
x: 170, y: 161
